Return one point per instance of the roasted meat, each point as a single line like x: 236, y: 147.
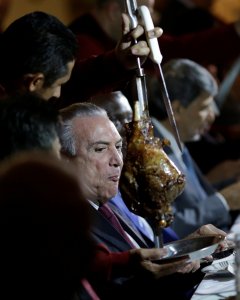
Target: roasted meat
x: 150, y: 181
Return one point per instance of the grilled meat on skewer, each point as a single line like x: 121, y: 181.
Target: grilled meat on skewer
x: 150, y: 181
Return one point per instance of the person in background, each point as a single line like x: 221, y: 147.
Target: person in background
x: 46, y: 247
x: 46, y: 56
x: 222, y: 142
x: 99, y: 31
x: 27, y: 122
x: 191, y: 89
x: 192, y: 16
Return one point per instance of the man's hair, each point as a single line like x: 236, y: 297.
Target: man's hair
x: 185, y: 80
x: 36, y: 42
x: 66, y: 133
x: 27, y: 123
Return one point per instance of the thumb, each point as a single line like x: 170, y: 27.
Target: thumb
x: 154, y: 253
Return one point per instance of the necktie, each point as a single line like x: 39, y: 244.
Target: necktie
x: 107, y: 212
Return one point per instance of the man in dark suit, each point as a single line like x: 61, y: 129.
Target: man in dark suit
x: 91, y: 141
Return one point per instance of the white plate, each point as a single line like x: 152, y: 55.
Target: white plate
x: 190, y: 249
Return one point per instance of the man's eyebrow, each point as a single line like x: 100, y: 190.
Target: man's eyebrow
x: 99, y: 143
x: 104, y: 142
x: 119, y: 141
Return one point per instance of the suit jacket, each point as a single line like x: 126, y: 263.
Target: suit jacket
x: 105, y: 233
x: 118, y: 205
x: 134, y: 286
x: 192, y: 210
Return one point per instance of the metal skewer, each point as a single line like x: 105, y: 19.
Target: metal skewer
x: 134, y: 12
x: 168, y: 106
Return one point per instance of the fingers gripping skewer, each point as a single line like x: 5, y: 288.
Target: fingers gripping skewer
x: 142, y: 12
x: 156, y: 57
x: 131, y: 8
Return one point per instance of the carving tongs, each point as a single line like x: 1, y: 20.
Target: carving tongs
x: 134, y: 12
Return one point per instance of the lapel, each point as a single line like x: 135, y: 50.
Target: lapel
x: 143, y: 243
x: 104, y: 232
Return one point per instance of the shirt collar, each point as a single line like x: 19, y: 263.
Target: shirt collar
x: 94, y: 205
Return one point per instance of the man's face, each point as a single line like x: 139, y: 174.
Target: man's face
x: 119, y: 111
x: 99, y: 157
x: 196, y: 118
x: 55, y: 89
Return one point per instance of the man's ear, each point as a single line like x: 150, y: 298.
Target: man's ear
x: 34, y: 82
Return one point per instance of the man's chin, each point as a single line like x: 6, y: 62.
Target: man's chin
x: 112, y: 194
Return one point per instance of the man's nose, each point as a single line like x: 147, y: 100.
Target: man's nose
x: 116, y: 159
